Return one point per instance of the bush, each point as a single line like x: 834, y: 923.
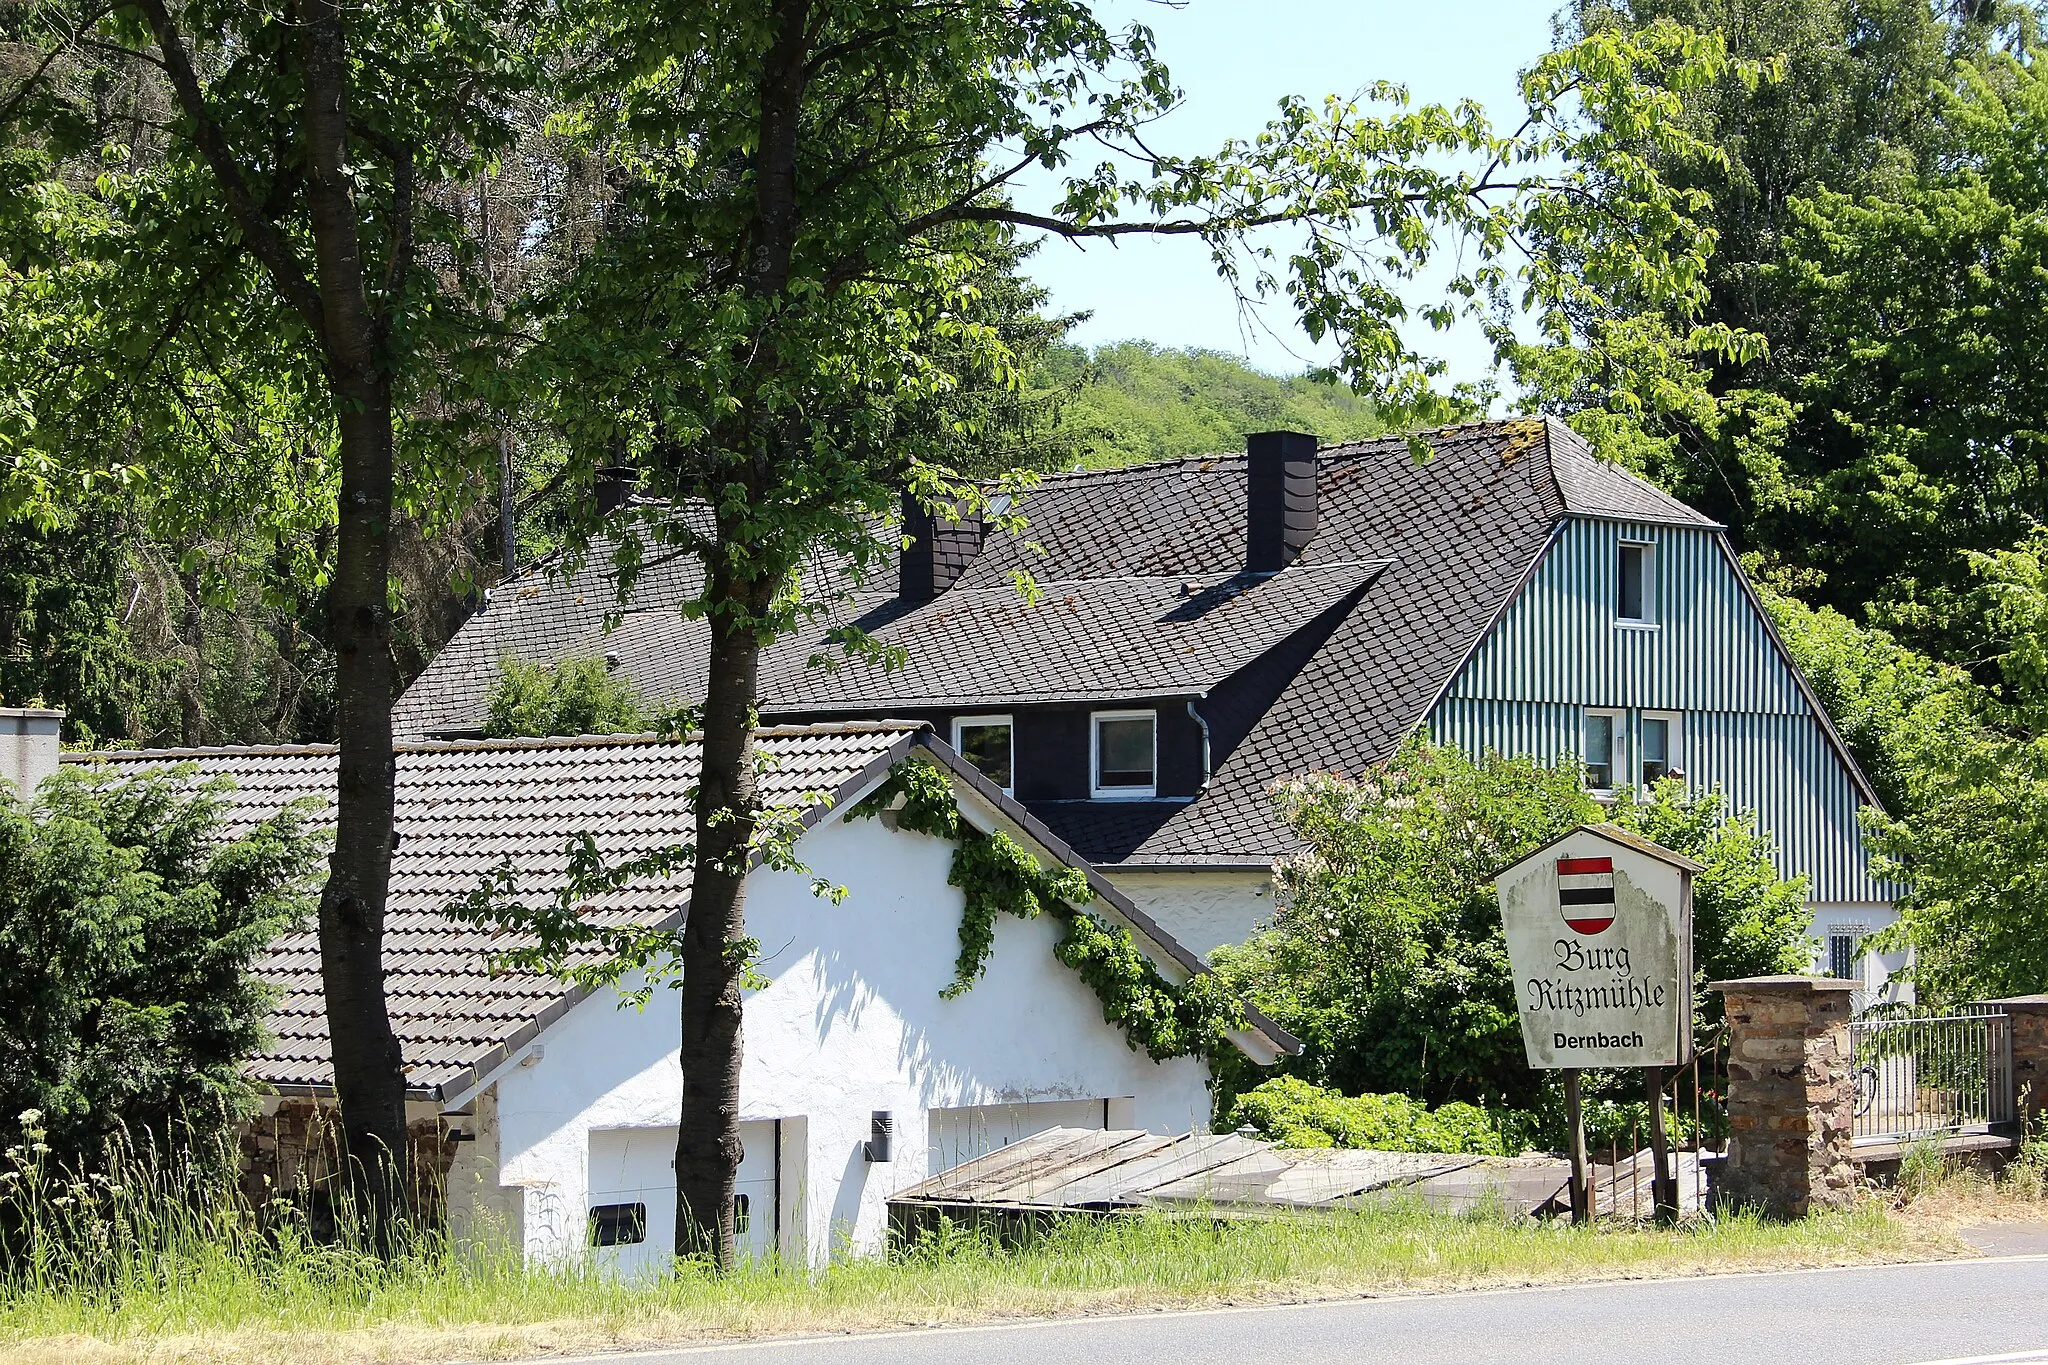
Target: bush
x: 1296, y: 1114
x: 127, y: 927
x: 1386, y: 956
x: 578, y: 696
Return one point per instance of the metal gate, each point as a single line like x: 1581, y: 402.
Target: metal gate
x: 1930, y: 1075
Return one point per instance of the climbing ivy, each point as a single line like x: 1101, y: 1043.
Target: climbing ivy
x: 998, y: 876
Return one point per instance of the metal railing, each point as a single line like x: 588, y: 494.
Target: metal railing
x: 1929, y: 1075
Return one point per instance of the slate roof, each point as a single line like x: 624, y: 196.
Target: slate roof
x: 1426, y: 555
x: 465, y: 807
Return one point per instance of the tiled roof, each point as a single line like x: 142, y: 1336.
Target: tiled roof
x: 463, y: 809
x: 1432, y: 549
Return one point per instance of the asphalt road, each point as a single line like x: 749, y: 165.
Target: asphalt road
x: 1957, y: 1312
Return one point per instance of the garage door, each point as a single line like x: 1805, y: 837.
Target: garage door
x: 959, y: 1135
x: 633, y: 1195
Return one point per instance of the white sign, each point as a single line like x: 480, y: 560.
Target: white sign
x: 1599, y: 931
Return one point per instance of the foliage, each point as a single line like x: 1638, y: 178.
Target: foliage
x: 61, y: 637
x: 1877, y: 213
x: 1296, y: 1114
x: 1386, y: 956
x: 1135, y: 401
x: 576, y: 696
x: 128, y: 926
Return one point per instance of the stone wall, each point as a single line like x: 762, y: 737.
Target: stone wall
x: 1791, y: 1098
x: 290, y: 1153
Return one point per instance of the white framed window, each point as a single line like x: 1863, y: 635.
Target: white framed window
x: 1659, y: 747
x: 1606, y: 749
x: 1123, y: 754
x: 988, y: 742
x: 1635, y: 598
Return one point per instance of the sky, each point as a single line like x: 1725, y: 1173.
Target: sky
x: 1235, y: 59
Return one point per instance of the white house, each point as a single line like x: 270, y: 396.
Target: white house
x: 554, y: 1110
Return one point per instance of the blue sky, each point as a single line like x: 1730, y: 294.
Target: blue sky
x: 1235, y: 59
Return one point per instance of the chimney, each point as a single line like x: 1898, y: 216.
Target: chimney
x: 615, y: 484
x: 939, y: 550
x: 28, y: 747
x: 1280, y: 498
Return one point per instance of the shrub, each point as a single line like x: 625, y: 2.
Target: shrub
x: 128, y: 923
x: 1297, y: 1114
x: 578, y: 696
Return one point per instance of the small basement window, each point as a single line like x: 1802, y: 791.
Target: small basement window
x: 1606, y: 751
x: 1126, y: 754
x: 1637, y: 600
x: 618, y: 1225
x: 985, y: 741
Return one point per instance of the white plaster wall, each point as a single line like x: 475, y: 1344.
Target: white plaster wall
x: 851, y: 1022
x: 1881, y: 980
x: 1204, y: 910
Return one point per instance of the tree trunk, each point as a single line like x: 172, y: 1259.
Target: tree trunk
x: 369, y: 1076
x: 707, y: 1140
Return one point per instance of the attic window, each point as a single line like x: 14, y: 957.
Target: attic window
x: 985, y: 741
x: 1636, y: 599
x: 1126, y: 754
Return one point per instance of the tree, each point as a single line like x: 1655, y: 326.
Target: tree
x: 128, y: 926
x: 781, y: 326
x: 578, y: 696
x: 1135, y: 401
x: 263, y: 202
x: 1387, y: 956
x: 1877, y: 241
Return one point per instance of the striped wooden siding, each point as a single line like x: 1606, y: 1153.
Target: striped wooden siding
x: 1745, y: 726
x: 1558, y: 641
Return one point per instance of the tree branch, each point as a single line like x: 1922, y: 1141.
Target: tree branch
x: 265, y: 242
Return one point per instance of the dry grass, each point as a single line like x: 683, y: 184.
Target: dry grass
x: 490, y: 1310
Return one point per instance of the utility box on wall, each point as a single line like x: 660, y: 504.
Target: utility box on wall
x: 1599, y: 931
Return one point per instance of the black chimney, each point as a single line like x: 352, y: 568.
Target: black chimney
x: 615, y: 484
x: 939, y: 550
x: 1280, y: 498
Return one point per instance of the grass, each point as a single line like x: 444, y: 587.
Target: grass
x: 312, y: 1306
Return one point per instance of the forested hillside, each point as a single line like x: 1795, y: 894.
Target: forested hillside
x: 1135, y: 400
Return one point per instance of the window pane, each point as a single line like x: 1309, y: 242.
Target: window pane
x: 1656, y: 748
x: 1124, y: 752
x: 1842, y: 955
x: 1600, y: 751
x: 1632, y: 583
x: 615, y: 1225
x: 988, y: 748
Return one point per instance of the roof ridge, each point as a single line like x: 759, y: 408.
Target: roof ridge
x: 530, y: 742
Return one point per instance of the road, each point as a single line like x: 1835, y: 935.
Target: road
x: 1979, y: 1312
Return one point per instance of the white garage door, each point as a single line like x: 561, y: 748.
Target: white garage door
x: 633, y: 1195
x: 959, y: 1135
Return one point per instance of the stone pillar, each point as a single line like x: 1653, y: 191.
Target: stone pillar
x: 2029, y: 1015
x: 1791, y: 1099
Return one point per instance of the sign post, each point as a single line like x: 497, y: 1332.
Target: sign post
x: 1599, y: 932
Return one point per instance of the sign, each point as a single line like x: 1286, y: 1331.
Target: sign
x: 1599, y: 931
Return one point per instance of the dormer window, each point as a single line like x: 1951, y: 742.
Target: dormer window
x: 1636, y: 597
x: 985, y: 741
x: 1125, y: 754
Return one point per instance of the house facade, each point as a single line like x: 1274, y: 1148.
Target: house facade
x: 552, y: 1111
x: 1205, y: 627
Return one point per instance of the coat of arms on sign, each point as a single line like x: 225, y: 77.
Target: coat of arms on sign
x: 1585, y: 893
